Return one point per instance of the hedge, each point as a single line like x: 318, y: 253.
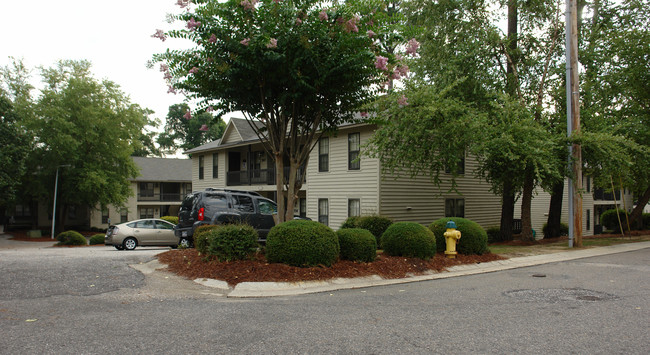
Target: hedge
x: 409, y: 239
x: 302, y: 243
x: 473, y: 238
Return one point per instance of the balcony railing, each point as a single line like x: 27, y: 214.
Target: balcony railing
x: 160, y: 197
x: 256, y: 176
x: 600, y: 194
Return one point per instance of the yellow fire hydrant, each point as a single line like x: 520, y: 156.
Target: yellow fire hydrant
x: 451, y: 237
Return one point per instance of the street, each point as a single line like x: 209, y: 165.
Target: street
x: 89, y: 301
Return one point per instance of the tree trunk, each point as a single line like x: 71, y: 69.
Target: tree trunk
x: 279, y: 186
x: 291, y: 190
x: 507, y: 210
x: 554, y: 221
x: 526, y: 201
x: 636, y: 217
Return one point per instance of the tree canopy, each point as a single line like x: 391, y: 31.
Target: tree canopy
x: 295, y: 69
x: 183, y: 131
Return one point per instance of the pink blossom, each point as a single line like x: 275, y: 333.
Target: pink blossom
x: 204, y: 128
x: 245, y: 41
x: 322, y: 15
x: 370, y: 23
x: 381, y: 63
x: 183, y: 3
x: 364, y: 114
x: 396, y: 75
x: 192, y: 24
x: 371, y: 33
x: 187, y: 115
x: 209, y: 109
x: 298, y: 21
x: 402, y: 101
x: 167, y: 76
x: 351, y: 26
x: 212, y: 39
x: 398, y: 57
x: 164, y: 67
x: 160, y: 34
x: 412, y: 46
x: 249, y: 5
x: 194, y: 70
x: 402, y: 69
x: 273, y: 43
x: 277, y: 1
x: 171, y: 90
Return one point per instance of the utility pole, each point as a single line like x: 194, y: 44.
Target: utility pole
x: 573, y: 124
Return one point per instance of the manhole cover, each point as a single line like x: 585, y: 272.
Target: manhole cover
x: 553, y: 295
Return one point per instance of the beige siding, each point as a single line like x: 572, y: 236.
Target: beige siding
x: 419, y: 200
x: 231, y: 135
x: 340, y: 184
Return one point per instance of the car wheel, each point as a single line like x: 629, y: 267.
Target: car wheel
x: 119, y: 247
x: 130, y: 243
x: 185, y: 243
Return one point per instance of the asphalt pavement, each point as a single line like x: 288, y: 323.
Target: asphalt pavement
x: 90, y: 301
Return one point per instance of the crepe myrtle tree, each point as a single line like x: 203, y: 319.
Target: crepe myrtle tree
x: 295, y: 69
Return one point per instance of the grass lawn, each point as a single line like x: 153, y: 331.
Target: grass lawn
x: 541, y: 247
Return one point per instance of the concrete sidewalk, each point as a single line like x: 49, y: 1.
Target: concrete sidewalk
x: 272, y: 289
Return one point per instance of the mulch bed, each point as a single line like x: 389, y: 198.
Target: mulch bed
x: 190, y: 264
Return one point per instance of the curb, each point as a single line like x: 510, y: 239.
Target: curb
x: 275, y: 289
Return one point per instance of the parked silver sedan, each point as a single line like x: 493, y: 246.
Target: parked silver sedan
x: 141, y: 232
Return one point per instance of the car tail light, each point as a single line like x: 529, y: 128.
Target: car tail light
x: 114, y: 231
x: 201, y: 213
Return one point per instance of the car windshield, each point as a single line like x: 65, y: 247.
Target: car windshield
x: 267, y: 207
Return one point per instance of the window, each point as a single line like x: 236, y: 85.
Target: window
x: 124, y: 215
x: 146, y: 189
x: 215, y: 166
x: 460, y: 167
x: 454, y: 207
x: 354, y: 207
x: 266, y: 207
x: 303, y: 207
x: 164, y: 225
x: 72, y: 211
x: 323, y: 211
x: 588, y: 218
x: 22, y: 211
x: 324, y: 154
x: 146, y: 212
x: 145, y: 224
x: 243, y: 204
x: 201, y: 167
x: 105, y: 216
x: 588, y: 185
x: 354, y: 146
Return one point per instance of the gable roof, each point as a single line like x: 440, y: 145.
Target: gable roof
x: 163, y: 169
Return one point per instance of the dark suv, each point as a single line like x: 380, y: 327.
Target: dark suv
x: 222, y: 206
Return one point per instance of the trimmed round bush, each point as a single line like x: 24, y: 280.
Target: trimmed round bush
x: 377, y: 225
x: 473, y: 238
x: 71, y: 238
x: 564, y: 229
x: 610, y: 220
x: 200, y: 237
x: 357, y: 244
x: 351, y: 222
x: 302, y: 243
x: 409, y: 239
x: 96, y: 239
x: 232, y: 242
x: 170, y: 219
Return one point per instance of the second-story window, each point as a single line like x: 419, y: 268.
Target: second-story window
x: 324, y: 154
x: 201, y: 167
x: 146, y: 189
x: 354, y: 146
x: 215, y: 165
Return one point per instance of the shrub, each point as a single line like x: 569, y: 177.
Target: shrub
x: 610, y: 220
x: 409, y: 239
x: 232, y: 242
x: 351, y: 222
x: 302, y: 243
x: 71, y: 238
x: 96, y: 239
x: 473, y: 238
x: 170, y: 219
x: 564, y: 230
x: 493, y: 234
x: 200, y: 237
x: 357, y: 244
x: 376, y: 224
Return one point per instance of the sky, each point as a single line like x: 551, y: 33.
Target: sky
x: 115, y: 36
